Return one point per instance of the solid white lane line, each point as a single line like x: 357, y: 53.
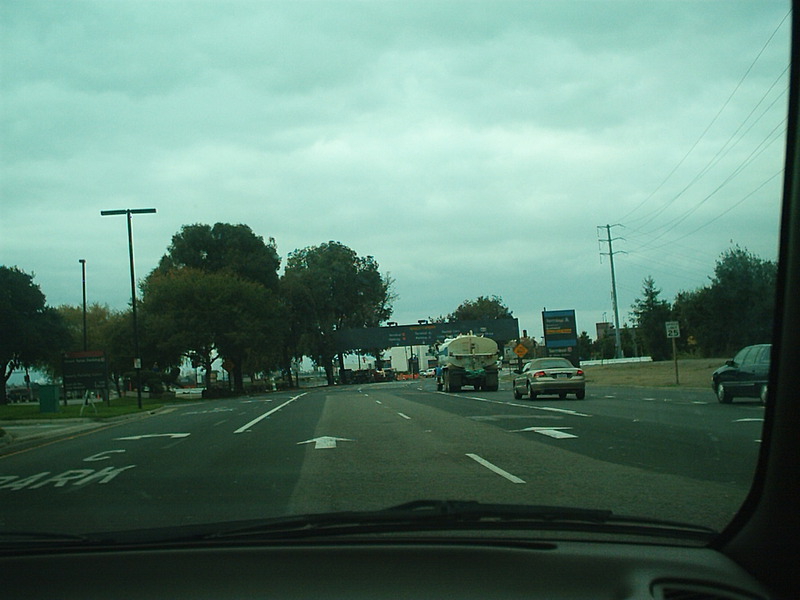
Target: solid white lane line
x: 496, y: 469
x: 404, y: 416
x: 268, y: 413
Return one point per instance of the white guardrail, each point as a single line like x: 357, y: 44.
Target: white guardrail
x: 616, y: 361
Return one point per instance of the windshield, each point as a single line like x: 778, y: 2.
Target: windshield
x: 268, y: 259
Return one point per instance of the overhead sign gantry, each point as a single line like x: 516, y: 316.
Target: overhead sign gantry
x: 424, y: 334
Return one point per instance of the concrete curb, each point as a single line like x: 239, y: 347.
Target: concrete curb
x: 27, y: 430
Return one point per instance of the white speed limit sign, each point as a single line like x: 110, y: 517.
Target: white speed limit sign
x: 673, y: 329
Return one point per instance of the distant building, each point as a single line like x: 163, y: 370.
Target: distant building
x: 603, y: 329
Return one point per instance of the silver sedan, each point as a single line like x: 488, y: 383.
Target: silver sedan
x: 549, y: 376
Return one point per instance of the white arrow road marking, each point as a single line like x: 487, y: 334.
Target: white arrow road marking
x: 326, y: 441
x: 244, y: 428
x: 154, y: 435
x: 496, y: 469
x: 102, y: 455
x: 553, y: 432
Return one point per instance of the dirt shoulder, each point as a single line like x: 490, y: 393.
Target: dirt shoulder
x: 691, y: 373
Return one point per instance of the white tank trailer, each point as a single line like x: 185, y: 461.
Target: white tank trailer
x: 468, y: 360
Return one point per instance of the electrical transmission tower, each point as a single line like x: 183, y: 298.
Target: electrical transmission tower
x: 617, y: 342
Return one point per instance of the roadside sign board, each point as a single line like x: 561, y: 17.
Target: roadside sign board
x: 520, y: 350
x: 673, y: 329
x: 86, y: 370
x: 561, y: 334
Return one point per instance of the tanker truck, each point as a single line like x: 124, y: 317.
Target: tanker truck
x: 468, y: 360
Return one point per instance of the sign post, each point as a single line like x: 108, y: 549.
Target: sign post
x: 673, y: 333
x: 520, y: 350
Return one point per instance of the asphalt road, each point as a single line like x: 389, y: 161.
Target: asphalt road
x: 671, y: 454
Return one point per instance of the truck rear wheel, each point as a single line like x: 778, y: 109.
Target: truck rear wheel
x: 451, y: 384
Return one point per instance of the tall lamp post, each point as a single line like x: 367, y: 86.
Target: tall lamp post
x: 137, y: 360
x: 83, y: 286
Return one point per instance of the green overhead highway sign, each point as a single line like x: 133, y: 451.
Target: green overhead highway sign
x: 500, y: 330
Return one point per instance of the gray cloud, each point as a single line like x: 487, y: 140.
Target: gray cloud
x: 472, y: 148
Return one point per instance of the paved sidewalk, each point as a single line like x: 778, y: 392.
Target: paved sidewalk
x: 16, y: 434
x: 18, y: 431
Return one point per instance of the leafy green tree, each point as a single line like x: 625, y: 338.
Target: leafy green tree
x: 337, y: 289
x: 224, y: 247
x: 205, y: 316
x: 649, y: 315
x: 235, y: 251
x: 743, y: 298
x: 297, y: 302
x: 31, y: 333
x: 482, y: 307
x: 693, y: 310
x: 736, y: 309
x: 584, y: 346
x: 97, y: 318
x: 605, y: 347
x: 118, y: 335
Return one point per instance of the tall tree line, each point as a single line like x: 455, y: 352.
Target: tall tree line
x: 735, y: 309
x: 216, y: 294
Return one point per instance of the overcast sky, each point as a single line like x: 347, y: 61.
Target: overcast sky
x: 472, y: 148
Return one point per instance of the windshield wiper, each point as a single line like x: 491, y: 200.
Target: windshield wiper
x: 443, y: 515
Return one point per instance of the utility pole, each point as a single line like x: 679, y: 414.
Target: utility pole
x: 618, y: 343
x: 83, y: 286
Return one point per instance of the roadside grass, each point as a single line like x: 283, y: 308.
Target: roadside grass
x: 119, y: 407
x: 693, y: 372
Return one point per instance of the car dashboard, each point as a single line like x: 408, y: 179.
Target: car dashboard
x: 416, y: 569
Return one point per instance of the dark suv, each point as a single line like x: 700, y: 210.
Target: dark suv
x: 745, y: 375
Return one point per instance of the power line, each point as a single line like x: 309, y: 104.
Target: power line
x: 672, y: 224
x: 705, y: 131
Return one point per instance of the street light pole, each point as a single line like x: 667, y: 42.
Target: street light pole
x: 137, y: 360
x: 83, y: 286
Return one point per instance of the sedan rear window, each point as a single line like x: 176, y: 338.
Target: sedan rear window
x: 553, y: 363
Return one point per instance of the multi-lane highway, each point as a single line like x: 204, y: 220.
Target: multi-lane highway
x: 673, y: 454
